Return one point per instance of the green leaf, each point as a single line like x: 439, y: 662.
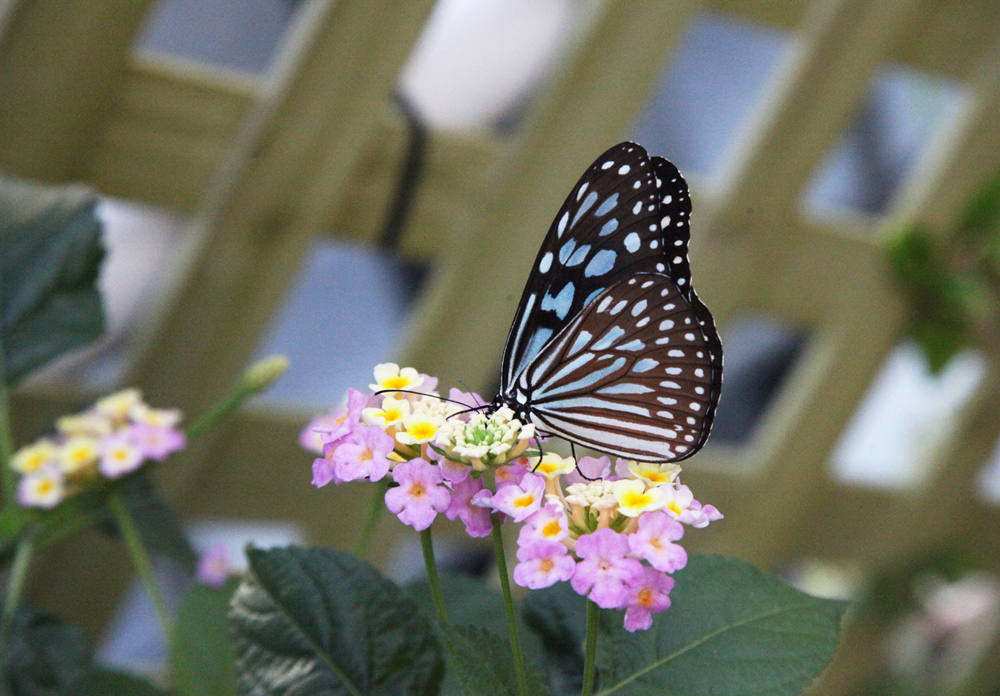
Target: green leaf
x: 470, y: 602
x: 318, y: 621
x: 201, y: 657
x: 158, y: 524
x: 484, y: 663
x: 50, y: 254
x: 730, y: 629
x: 108, y: 682
x: 558, y: 616
x: 47, y: 656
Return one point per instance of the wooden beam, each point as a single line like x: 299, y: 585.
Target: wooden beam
x: 61, y: 63
x: 168, y: 131
x: 288, y: 171
x: 463, y: 318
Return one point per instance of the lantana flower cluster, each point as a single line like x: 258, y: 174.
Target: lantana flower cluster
x: 114, y: 437
x: 611, y: 533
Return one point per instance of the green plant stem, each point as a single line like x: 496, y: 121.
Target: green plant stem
x: 6, y: 437
x: 140, y: 558
x: 432, y: 575
x: 12, y: 598
x: 371, y: 521
x: 508, y: 601
x: 590, y: 649
x: 222, y: 408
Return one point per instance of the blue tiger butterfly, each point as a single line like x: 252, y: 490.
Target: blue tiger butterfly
x: 610, y: 347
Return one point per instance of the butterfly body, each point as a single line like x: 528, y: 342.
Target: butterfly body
x: 610, y: 346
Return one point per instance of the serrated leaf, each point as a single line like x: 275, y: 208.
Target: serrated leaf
x: 558, y: 616
x: 47, y: 656
x: 108, y: 682
x: 318, y: 621
x: 470, y: 601
x: 50, y: 255
x: 201, y: 656
x: 730, y: 628
x: 484, y: 663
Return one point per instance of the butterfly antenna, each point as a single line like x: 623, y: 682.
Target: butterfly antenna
x: 433, y: 396
x: 472, y: 393
x: 466, y: 410
x: 572, y: 448
x: 541, y: 456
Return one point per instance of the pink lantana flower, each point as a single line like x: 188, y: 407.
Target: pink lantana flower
x: 543, y: 563
x: 453, y: 472
x: 548, y: 524
x: 647, y: 595
x: 654, y: 541
x: 590, y: 468
x: 157, y: 441
x: 683, y: 507
x: 213, y: 566
x: 509, y: 474
x: 604, y: 572
x: 419, y: 497
x: 332, y: 427
x: 476, y: 518
x: 363, y: 454
x: 522, y: 499
x: 119, y: 454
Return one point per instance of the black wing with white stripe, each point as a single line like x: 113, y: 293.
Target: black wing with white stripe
x: 633, y: 374
x: 629, y: 213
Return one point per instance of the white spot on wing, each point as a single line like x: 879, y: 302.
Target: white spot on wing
x: 546, y: 263
x: 632, y: 242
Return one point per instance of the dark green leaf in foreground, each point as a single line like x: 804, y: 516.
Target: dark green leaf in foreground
x: 50, y: 254
x: 201, y: 656
x: 107, y: 682
x: 558, y: 616
x: 730, y: 630
x: 47, y: 656
x: 157, y: 522
x: 484, y: 663
x: 318, y: 621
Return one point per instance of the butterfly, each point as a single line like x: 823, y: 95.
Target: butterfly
x: 610, y: 347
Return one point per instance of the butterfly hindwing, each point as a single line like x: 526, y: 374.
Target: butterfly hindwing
x: 629, y: 213
x: 633, y: 374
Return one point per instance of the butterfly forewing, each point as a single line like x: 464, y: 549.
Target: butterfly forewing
x: 633, y: 374
x: 627, y: 214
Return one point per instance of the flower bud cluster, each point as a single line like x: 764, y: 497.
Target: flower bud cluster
x: 612, y: 535
x: 114, y: 437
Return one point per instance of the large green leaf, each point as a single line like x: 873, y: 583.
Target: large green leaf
x: 318, y: 621
x: 47, y: 656
x: 157, y: 522
x: 731, y: 629
x: 558, y: 616
x: 484, y: 663
x: 107, y: 682
x: 201, y: 656
x: 50, y: 254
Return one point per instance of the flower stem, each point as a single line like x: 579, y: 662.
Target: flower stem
x: 432, y: 575
x: 590, y: 651
x: 140, y: 558
x: 371, y: 521
x: 12, y: 599
x: 6, y: 437
x: 508, y: 601
x: 255, y: 379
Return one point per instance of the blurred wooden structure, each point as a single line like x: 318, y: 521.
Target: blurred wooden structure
x: 265, y: 166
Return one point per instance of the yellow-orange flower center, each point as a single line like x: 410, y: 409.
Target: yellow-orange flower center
x: 551, y: 529
x: 546, y: 565
x: 524, y: 501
